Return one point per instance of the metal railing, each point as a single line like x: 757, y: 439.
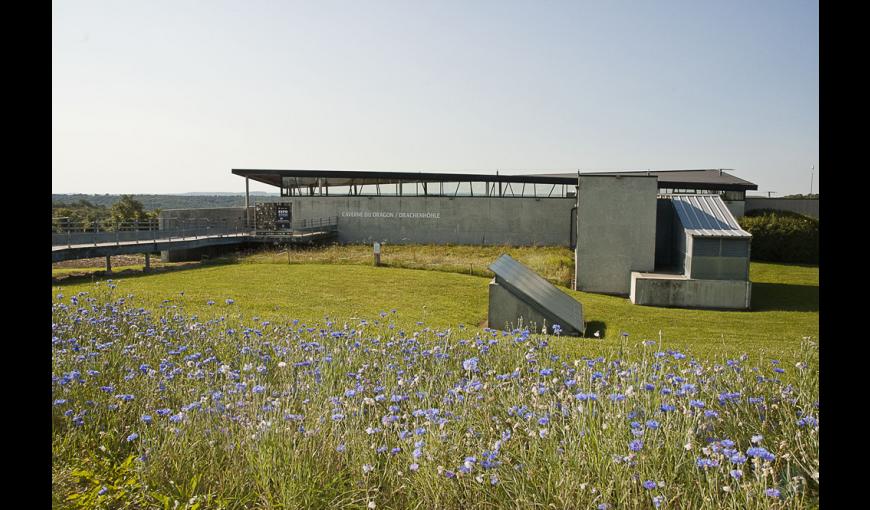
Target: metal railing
x: 68, y: 233
x: 71, y: 233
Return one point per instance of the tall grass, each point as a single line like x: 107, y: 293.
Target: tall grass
x: 555, y: 263
x: 356, y: 413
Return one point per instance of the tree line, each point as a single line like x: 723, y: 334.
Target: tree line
x: 126, y: 212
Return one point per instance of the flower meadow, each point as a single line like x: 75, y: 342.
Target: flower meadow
x: 160, y: 408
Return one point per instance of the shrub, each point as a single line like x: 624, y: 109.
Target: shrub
x: 782, y: 236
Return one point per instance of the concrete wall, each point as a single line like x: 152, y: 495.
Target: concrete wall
x: 737, y: 207
x: 616, y: 231
x: 681, y: 292
x: 806, y: 207
x: 217, y: 216
x: 443, y: 220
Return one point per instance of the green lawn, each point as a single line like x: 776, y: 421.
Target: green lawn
x: 785, y: 304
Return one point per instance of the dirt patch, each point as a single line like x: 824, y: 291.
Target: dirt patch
x: 117, y: 260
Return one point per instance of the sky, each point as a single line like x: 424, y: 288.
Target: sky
x: 169, y: 96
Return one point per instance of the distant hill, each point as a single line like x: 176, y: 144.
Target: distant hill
x: 152, y: 202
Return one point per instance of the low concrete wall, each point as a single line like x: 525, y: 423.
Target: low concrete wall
x: 682, y: 292
x: 616, y: 231
x: 443, y: 220
x: 219, y: 217
x: 806, y: 207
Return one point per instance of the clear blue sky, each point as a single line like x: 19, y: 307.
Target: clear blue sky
x: 168, y: 96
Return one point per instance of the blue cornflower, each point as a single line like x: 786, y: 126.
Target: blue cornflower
x: 707, y: 463
x: 737, y: 458
x: 635, y: 445
x: 470, y: 364
x: 760, y: 453
x: 258, y: 389
x: 773, y: 493
x: 337, y: 417
x: 736, y: 474
x: 649, y: 485
x: 132, y: 437
x: 147, y: 418
x: 652, y: 424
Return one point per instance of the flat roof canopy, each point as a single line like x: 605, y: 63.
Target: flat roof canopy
x: 708, y: 179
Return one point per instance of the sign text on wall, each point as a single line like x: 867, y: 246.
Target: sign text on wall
x: 381, y: 214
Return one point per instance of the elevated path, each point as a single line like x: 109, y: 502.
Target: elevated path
x: 72, y: 245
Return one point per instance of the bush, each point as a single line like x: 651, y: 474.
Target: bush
x: 782, y: 236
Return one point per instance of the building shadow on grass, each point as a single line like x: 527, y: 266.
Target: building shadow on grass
x: 784, y: 297
x: 93, y: 276
x: 593, y: 326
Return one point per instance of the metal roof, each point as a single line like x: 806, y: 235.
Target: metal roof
x: 364, y: 177
x: 521, y: 281
x: 706, y: 216
x: 708, y: 179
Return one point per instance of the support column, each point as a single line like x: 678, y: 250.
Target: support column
x: 108, y: 264
x: 147, y: 262
x: 247, y: 194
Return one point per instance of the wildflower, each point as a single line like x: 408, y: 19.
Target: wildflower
x: 367, y: 468
x: 147, y: 418
x: 760, y: 453
x: 649, y: 485
x: 635, y: 445
x: 773, y: 493
x: 470, y: 365
x: 132, y: 437
x: 757, y: 438
x: 414, y: 467
x: 652, y: 424
x: 736, y: 474
x: 707, y: 463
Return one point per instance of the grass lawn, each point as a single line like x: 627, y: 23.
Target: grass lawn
x: 785, y: 303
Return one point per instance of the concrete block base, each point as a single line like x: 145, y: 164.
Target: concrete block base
x: 507, y: 311
x: 679, y: 291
